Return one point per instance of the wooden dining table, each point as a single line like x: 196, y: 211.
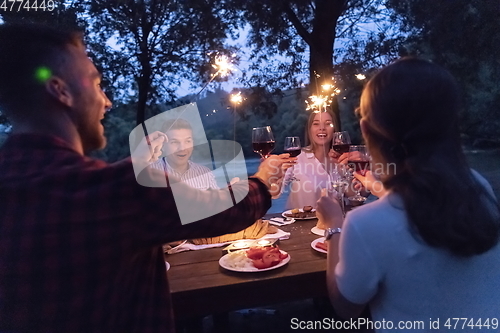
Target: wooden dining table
x: 199, y: 286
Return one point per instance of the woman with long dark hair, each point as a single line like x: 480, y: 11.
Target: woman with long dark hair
x: 428, y: 248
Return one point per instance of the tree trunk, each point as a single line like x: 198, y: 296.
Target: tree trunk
x: 321, y: 43
x: 143, y: 81
x: 143, y: 92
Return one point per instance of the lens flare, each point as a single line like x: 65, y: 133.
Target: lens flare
x: 42, y: 74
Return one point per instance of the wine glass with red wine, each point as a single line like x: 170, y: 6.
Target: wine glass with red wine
x: 341, y: 142
x: 263, y: 141
x: 359, y: 160
x: 292, y: 147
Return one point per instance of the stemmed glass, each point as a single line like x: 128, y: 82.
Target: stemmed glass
x: 263, y: 141
x: 341, y: 142
x: 293, y: 147
x: 340, y: 183
x: 359, y: 160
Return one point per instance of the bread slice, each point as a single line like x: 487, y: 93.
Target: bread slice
x: 257, y: 230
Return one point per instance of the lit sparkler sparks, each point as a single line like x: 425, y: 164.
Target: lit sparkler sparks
x: 318, y: 103
x: 223, y: 65
x: 326, y: 86
x: 236, y: 98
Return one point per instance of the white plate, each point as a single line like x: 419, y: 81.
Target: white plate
x: 167, y: 265
x: 298, y: 218
x: 318, y: 231
x: 252, y: 269
x: 316, y: 241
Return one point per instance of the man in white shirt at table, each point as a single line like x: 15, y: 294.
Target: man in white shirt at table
x: 179, y: 149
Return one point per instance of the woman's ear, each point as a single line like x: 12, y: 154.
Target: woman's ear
x: 59, y: 89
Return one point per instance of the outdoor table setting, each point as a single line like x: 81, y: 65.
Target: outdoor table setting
x: 201, y: 275
x: 285, y: 266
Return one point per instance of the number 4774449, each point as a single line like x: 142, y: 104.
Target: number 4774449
x: 471, y: 323
x: 27, y: 5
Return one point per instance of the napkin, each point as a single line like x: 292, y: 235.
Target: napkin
x: 187, y: 246
x: 279, y: 221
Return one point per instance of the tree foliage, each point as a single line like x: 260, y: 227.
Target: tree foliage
x: 145, y: 48
x: 149, y: 46
x: 461, y: 35
x: 289, y: 38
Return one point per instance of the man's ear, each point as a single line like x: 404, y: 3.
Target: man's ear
x: 59, y: 90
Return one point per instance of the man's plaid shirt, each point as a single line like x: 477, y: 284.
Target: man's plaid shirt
x: 80, y: 240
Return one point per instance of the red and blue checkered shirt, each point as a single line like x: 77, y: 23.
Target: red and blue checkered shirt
x: 80, y: 240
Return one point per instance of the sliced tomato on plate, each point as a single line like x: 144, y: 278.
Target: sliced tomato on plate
x: 322, y: 246
x: 256, y: 253
x: 265, y: 257
x: 259, y: 264
x: 271, y: 258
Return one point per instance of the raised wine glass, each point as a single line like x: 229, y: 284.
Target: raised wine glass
x: 263, y: 141
x: 359, y: 161
x: 292, y: 147
x: 341, y: 142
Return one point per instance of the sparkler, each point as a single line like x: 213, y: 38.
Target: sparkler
x: 326, y: 86
x: 318, y: 103
x: 360, y: 76
x: 236, y: 98
x: 223, y: 66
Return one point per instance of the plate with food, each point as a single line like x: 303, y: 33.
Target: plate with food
x: 319, y: 245
x: 319, y: 229
x: 255, y: 259
x: 305, y: 213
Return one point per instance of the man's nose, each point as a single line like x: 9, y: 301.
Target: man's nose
x: 107, y: 102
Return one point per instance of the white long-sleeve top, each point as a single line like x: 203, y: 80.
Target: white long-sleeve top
x: 312, y: 178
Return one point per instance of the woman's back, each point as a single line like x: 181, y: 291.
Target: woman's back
x: 405, y: 279
x: 430, y: 247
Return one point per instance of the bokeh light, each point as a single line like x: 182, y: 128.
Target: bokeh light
x: 42, y: 74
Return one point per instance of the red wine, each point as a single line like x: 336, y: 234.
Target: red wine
x: 263, y: 148
x: 359, y: 166
x: 341, y: 148
x: 294, y: 152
